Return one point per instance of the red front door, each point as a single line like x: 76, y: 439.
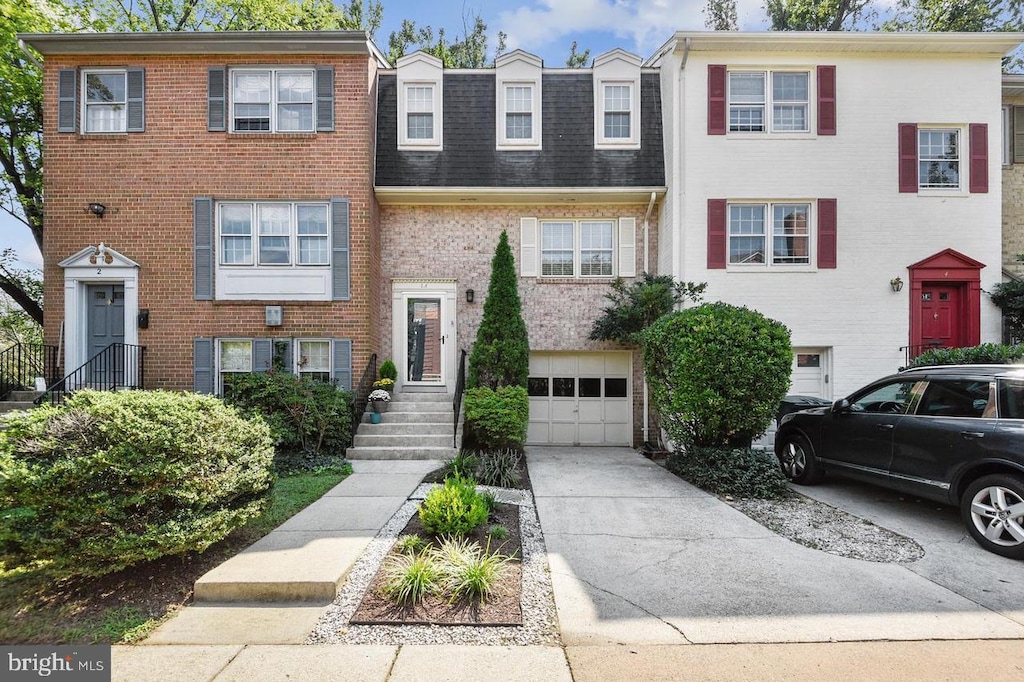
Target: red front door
x: 942, y: 317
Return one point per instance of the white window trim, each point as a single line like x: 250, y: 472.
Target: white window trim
x: 633, y: 141
x: 576, y: 247
x: 273, y: 71
x: 83, y: 113
x: 504, y: 142
x: 963, y: 160
x: 812, y: 237
x: 297, y: 351
x: 769, y: 117
x: 254, y: 235
x: 434, y: 143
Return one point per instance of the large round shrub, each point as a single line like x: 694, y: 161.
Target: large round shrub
x: 717, y: 373
x: 496, y: 420
x: 110, y: 479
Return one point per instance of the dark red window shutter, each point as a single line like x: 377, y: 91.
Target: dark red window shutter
x: 979, y: 157
x: 717, y: 240
x: 716, y: 99
x: 826, y: 233
x: 908, y: 157
x: 826, y: 100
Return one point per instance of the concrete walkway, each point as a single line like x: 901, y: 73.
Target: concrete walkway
x: 653, y: 580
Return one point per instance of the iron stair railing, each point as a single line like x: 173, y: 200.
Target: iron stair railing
x: 118, y: 366
x: 361, y: 390
x: 460, y: 388
x: 22, y: 363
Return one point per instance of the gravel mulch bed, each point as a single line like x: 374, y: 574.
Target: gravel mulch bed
x: 536, y: 601
x: 818, y: 526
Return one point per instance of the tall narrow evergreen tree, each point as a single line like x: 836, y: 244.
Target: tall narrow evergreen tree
x: 501, y: 354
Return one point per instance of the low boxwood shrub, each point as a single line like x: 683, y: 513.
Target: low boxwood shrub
x: 740, y: 472
x: 985, y: 354
x: 496, y: 419
x: 110, y: 479
x: 455, y: 508
x: 311, y: 420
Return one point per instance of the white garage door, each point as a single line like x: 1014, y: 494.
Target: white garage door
x: 580, y: 399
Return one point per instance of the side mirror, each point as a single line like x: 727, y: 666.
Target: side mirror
x: 841, y: 405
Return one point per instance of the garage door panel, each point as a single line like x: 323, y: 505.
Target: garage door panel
x: 540, y: 365
x: 618, y: 364
x: 616, y: 411
x: 616, y: 433
x: 591, y: 365
x: 591, y: 411
x: 563, y: 410
x: 563, y: 365
x: 538, y: 432
x: 563, y: 433
x: 540, y: 409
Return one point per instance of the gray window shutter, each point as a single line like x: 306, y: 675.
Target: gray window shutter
x: 136, y: 78
x: 202, y: 365
x: 283, y: 351
x: 325, y: 99
x: 216, y: 98
x: 262, y: 355
x: 1018, y: 135
x: 343, y: 363
x: 67, y: 101
x: 341, y: 284
x: 202, y: 223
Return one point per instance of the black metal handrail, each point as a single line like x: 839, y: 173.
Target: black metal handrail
x: 361, y: 390
x: 911, y: 352
x: 23, y: 362
x: 460, y: 388
x: 118, y: 366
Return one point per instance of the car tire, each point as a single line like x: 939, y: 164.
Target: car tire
x: 797, y: 461
x: 992, y: 508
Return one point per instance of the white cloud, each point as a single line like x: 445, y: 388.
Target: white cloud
x: 641, y: 25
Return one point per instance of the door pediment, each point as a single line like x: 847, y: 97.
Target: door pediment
x: 101, y: 256
x: 953, y: 264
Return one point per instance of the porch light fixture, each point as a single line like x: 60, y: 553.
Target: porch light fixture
x: 470, y: 295
x: 97, y: 209
x: 897, y: 284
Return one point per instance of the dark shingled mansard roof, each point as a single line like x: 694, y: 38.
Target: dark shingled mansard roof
x: 568, y: 158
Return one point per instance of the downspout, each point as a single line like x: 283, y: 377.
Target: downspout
x: 31, y: 57
x: 647, y: 230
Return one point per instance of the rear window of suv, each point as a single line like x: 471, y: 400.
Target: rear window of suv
x: 1011, y: 398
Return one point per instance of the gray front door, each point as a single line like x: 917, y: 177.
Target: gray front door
x: 106, y: 326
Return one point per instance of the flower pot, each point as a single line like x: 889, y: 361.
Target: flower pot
x: 379, y: 406
x: 375, y: 418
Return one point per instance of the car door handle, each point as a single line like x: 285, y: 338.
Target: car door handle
x: 885, y: 427
x: 972, y: 434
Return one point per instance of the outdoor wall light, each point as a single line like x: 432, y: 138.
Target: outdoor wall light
x: 97, y: 209
x: 470, y: 295
x: 897, y: 284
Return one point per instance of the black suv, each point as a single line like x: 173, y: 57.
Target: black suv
x: 953, y: 433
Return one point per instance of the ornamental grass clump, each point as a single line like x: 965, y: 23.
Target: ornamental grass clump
x: 455, y: 508
x: 409, y: 578
x: 470, y: 571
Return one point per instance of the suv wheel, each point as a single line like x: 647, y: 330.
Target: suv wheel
x: 797, y: 461
x: 993, y: 509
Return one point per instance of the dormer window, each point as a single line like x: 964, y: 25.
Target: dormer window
x: 617, y: 101
x: 518, y: 94
x: 420, y: 98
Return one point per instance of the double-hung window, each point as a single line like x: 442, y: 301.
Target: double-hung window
x: 419, y: 112
x: 105, y: 101
x: 769, y: 101
x: 272, y: 100
x: 769, y: 234
x: 618, y: 111
x: 235, y: 358
x: 938, y: 158
x: 275, y: 233
x: 571, y: 248
x: 313, y: 358
x: 518, y: 112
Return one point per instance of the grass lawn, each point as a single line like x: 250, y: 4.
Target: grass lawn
x: 39, y: 607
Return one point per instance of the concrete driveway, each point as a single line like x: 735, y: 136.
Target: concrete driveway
x: 638, y: 556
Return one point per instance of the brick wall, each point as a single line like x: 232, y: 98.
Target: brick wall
x: 148, y: 181
x: 453, y: 242
x: 1013, y: 218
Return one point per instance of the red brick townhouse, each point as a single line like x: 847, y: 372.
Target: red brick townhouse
x: 569, y: 162
x: 209, y: 197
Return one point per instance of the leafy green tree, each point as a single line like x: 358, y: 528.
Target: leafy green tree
x: 469, y: 51
x: 955, y: 15
x: 717, y: 373
x: 720, y: 15
x: 577, y: 60
x: 634, y: 307
x: 501, y: 354
x: 815, y: 15
x: 1009, y: 297
x: 16, y: 324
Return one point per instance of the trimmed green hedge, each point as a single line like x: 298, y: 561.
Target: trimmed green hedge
x: 111, y: 479
x: 496, y: 420
x: 985, y: 354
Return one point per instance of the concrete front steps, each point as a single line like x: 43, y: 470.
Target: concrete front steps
x: 414, y: 426
x: 19, y: 400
